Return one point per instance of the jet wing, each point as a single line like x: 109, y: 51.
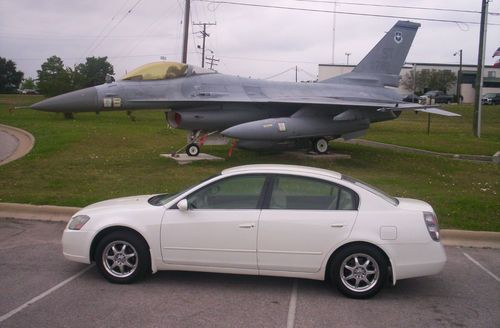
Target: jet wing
x: 318, y: 101
x: 403, y: 107
x: 326, y: 101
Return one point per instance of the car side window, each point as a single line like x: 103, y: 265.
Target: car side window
x: 239, y: 192
x: 302, y: 193
x: 347, y: 200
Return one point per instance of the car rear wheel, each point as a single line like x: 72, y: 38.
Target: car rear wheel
x: 359, y: 271
x: 122, y: 257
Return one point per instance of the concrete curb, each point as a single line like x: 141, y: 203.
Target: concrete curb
x: 26, y: 142
x: 475, y: 158
x: 464, y: 238
x: 449, y: 237
x: 37, y: 212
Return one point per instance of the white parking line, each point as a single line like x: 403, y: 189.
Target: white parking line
x: 293, y: 305
x: 42, y: 295
x: 481, y: 266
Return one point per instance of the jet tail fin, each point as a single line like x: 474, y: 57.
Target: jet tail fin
x: 389, y: 55
x: 383, y: 63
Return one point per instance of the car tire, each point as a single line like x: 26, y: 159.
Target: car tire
x: 193, y: 150
x: 354, y: 276
x: 123, y: 257
x: 320, y: 145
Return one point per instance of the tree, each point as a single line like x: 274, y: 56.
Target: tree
x: 429, y: 80
x: 28, y: 84
x: 53, y: 78
x: 93, y: 72
x: 10, y: 78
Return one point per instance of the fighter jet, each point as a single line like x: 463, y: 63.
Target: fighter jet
x: 261, y: 114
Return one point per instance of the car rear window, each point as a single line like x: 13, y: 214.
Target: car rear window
x: 372, y: 189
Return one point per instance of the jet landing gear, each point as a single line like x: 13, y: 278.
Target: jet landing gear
x: 320, y: 145
x: 192, y: 149
x: 196, y: 139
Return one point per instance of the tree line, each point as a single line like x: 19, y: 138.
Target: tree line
x: 53, y: 77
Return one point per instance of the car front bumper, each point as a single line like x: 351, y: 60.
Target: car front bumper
x: 76, y: 245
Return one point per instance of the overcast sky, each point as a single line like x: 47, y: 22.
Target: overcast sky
x: 249, y: 41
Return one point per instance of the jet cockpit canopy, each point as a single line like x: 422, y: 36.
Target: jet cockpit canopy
x: 164, y: 70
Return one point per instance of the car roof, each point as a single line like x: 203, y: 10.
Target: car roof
x: 281, y: 168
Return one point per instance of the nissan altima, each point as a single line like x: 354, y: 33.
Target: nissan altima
x: 273, y: 220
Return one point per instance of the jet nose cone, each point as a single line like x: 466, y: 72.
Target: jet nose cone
x: 84, y: 100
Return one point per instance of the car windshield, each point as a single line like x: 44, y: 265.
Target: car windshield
x: 489, y: 95
x: 372, y: 189
x: 162, y: 199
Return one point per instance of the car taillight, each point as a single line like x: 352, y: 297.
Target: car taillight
x: 432, y: 225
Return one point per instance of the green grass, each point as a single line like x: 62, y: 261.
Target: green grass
x: 96, y: 157
x: 447, y: 134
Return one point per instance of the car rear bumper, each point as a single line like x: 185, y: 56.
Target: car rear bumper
x: 410, y: 260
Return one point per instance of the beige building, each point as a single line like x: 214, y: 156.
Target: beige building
x: 491, y: 81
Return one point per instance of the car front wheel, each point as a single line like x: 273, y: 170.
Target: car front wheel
x: 122, y: 257
x: 359, y: 271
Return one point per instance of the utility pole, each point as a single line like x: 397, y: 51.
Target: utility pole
x: 459, y: 76
x: 480, y: 65
x: 414, y: 78
x: 204, y: 35
x: 334, y: 28
x: 186, y: 31
x: 296, y: 72
x: 213, y: 62
x: 347, y: 54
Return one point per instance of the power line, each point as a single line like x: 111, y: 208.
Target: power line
x: 212, y: 61
x: 114, y: 27
x: 339, y: 12
x: 204, y: 34
x: 268, y: 60
x: 389, y: 6
x: 280, y: 73
x: 105, y: 27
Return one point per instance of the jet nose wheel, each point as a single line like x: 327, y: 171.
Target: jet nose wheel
x: 320, y: 145
x: 193, y: 150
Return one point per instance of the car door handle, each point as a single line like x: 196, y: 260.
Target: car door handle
x: 338, y: 225
x: 247, y: 226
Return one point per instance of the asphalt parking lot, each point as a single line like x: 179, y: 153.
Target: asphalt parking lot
x: 39, y: 288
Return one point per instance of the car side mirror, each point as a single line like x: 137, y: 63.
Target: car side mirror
x: 183, y: 205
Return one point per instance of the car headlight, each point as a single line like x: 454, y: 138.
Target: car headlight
x: 77, y: 222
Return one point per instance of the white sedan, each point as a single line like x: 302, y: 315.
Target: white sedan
x: 274, y: 220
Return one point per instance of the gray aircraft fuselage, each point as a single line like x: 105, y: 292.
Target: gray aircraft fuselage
x: 261, y: 114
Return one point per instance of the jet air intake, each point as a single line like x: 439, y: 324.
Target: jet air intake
x: 294, y: 128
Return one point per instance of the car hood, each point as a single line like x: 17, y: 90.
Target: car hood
x: 414, y: 204
x: 121, y: 202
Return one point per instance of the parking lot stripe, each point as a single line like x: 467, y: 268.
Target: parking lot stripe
x: 481, y: 266
x: 293, y: 305
x: 42, y: 295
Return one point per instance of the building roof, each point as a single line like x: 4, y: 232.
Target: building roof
x: 408, y: 65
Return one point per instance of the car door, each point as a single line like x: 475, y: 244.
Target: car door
x: 303, y: 220
x: 219, y: 228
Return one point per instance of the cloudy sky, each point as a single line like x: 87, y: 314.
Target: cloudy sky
x: 249, y: 41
